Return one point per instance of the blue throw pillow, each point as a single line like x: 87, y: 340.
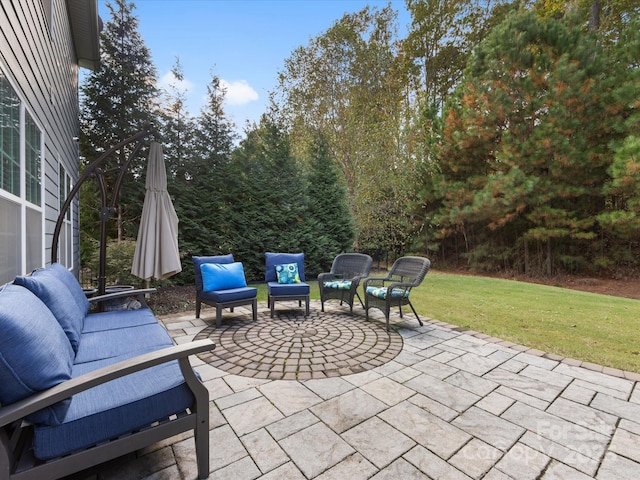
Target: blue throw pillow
x: 34, y: 352
x: 287, y: 273
x: 65, y: 276
x: 222, y: 276
x: 57, y: 297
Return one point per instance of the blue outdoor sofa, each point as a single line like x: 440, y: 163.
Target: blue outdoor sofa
x: 80, y: 388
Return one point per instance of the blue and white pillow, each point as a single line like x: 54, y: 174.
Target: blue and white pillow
x: 287, y: 273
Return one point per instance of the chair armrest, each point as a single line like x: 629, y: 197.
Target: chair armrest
x: 400, y: 285
x: 121, y: 294
x: 20, y: 409
x: 328, y: 276
x: 374, y: 282
x: 139, y: 293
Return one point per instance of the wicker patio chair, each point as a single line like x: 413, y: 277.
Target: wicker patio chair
x: 394, y: 289
x: 342, y: 281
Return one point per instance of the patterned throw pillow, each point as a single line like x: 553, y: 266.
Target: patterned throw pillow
x: 338, y: 284
x: 381, y: 292
x: 288, y: 273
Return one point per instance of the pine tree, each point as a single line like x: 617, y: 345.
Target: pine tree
x: 522, y: 154
x: 330, y: 219
x: 117, y: 100
x: 205, y: 204
x: 267, y: 197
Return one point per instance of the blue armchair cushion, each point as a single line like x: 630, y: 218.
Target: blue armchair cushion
x: 381, y: 292
x: 229, y: 295
x: 287, y: 273
x: 286, y: 289
x: 222, y: 276
x: 198, y: 261
x: 338, y: 284
x: 57, y: 297
x: 35, y: 353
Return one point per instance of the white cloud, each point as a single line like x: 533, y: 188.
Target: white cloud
x: 169, y: 82
x: 238, y: 92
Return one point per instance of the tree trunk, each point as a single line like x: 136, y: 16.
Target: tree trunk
x: 594, y: 19
x: 549, y: 257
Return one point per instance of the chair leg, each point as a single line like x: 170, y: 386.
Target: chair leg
x: 359, y: 299
x: 366, y: 309
x: 254, y: 307
x: 414, y: 312
x: 387, y: 312
x: 198, y: 306
x: 306, y: 300
x: 218, y: 316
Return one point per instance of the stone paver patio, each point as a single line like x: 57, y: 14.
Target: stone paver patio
x: 439, y: 403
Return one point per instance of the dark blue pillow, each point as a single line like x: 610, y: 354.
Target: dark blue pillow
x: 35, y: 354
x: 222, y: 276
x: 57, y: 297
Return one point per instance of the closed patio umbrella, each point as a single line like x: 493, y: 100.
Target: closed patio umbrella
x: 156, y: 254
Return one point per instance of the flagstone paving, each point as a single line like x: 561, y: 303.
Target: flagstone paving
x: 335, y: 397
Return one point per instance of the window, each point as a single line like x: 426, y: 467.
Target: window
x: 65, y: 241
x: 21, y: 219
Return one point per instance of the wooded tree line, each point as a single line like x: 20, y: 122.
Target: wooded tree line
x: 502, y: 135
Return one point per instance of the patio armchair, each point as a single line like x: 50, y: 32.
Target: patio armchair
x: 394, y: 289
x: 284, y: 275
x: 342, y: 281
x: 220, y: 283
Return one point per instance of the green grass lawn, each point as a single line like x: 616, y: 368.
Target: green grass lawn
x: 590, y: 327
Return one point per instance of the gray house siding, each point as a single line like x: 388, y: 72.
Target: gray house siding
x: 39, y: 57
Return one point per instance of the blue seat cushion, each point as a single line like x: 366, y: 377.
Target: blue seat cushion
x: 282, y: 289
x: 57, y: 297
x: 338, y: 284
x: 230, y: 295
x: 98, y: 345
x: 35, y: 353
x: 114, y: 408
x: 114, y: 320
x: 381, y: 292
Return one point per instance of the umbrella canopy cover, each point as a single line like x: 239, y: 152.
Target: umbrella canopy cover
x: 156, y: 254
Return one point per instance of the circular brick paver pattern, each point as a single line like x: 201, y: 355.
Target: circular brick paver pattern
x: 292, y: 347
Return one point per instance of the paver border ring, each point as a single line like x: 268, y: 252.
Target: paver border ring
x: 293, y: 347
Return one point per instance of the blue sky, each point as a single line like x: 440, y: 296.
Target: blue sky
x: 243, y: 42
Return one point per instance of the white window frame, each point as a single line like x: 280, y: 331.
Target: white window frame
x: 26, y: 206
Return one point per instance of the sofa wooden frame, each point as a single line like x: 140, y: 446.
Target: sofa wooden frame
x: 17, y: 462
